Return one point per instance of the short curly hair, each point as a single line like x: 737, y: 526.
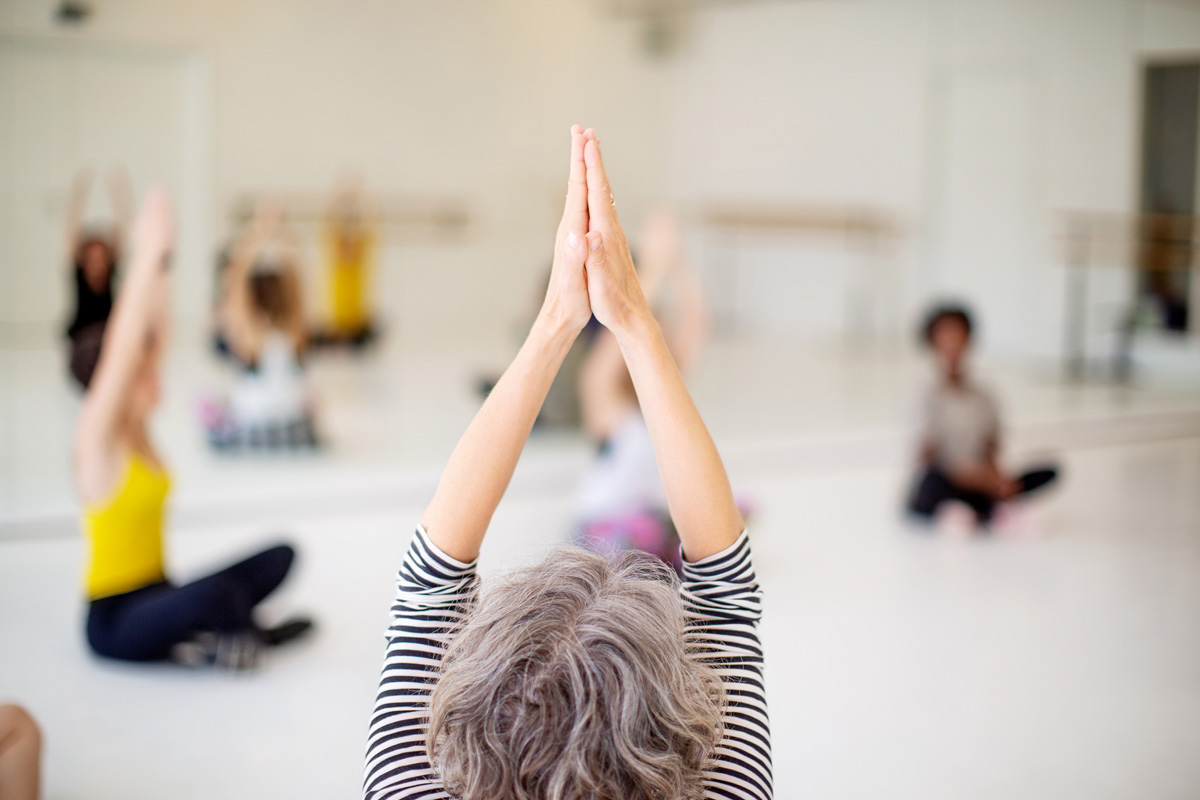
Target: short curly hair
x: 942, y: 313
x: 570, y: 681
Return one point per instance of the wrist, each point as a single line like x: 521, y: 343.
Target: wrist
x: 636, y: 328
x: 554, y: 328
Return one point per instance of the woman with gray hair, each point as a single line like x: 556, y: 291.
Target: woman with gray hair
x: 580, y: 678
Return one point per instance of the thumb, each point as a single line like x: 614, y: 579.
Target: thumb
x: 596, y: 256
x: 571, y: 253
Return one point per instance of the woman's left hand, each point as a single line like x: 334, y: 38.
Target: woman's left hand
x: 567, y: 296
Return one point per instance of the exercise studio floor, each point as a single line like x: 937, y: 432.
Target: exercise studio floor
x: 1063, y: 662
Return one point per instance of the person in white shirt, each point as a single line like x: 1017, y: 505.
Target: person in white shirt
x: 960, y: 432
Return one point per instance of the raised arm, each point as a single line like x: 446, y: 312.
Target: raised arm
x: 295, y: 327
x: 138, y: 313
x: 604, y: 397
x: 120, y: 197
x: 76, y: 201
x: 698, y: 493
x: 237, y: 311
x: 482, y: 464
x: 692, y: 328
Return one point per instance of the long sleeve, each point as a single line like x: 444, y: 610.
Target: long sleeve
x: 723, y: 606
x: 434, y: 594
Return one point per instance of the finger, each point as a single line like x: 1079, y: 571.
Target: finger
x: 575, y: 215
x: 596, y: 255
x: 601, y: 208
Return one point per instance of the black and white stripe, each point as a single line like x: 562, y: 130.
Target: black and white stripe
x: 434, y: 594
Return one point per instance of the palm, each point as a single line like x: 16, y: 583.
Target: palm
x: 607, y: 294
x: 569, y: 287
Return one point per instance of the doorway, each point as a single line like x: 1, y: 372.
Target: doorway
x: 1170, y: 144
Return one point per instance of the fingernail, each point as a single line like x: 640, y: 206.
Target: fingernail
x: 595, y: 245
x: 572, y: 241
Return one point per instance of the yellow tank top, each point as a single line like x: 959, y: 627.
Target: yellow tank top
x: 349, y: 261
x: 125, y: 534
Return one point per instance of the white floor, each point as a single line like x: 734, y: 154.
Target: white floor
x: 1062, y: 665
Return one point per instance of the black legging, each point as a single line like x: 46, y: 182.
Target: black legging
x: 143, y: 625
x: 934, y: 487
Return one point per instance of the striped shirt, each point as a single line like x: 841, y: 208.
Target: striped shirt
x: 435, y: 593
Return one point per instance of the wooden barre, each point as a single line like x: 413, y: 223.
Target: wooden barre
x: 800, y: 220
x: 1137, y: 237
x: 442, y: 213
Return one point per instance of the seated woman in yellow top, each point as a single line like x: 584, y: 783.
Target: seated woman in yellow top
x: 136, y: 613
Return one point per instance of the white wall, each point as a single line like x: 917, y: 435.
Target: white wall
x: 973, y: 122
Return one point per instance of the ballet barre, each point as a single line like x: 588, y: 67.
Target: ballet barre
x: 425, y: 218
x: 870, y: 233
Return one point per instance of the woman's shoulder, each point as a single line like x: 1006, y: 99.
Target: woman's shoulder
x: 101, y: 469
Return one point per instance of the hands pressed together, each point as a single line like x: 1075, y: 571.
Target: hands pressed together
x: 593, y: 272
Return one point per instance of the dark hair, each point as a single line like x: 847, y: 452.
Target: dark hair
x: 941, y: 313
x: 92, y: 240
x: 269, y: 293
x: 85, y: 352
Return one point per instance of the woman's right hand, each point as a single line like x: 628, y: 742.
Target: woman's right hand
x: 612, y: 282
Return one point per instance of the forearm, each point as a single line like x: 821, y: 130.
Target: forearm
x: 134, y: 311
x: 692, y: 332
x: 119, y: 196
x: 74, y: 215
x: 983, y: 477
x: 603, y: 394
x: 481, y: 466
x: 142, y: 297
x: 697, y: 488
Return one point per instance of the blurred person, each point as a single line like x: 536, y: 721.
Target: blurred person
x: 350, y: 243
x: 1165, y: 251
x: 260, y: 320
x: 561, y: 408
x: 960, y: 432
x: 579, y: 677
x: 220, y: 287
x: 619, y: 500
x: 135, y: 613
x: 20, y: 754
x: 94, y: 254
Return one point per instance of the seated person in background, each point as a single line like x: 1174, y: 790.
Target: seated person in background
x: 562, y: 408
x: 960, y: 432
x: 94, y: 255
x: 20, y: 754
x: 135, y: 613
x: 619, y: 502
x: 577, y: 678
x: 261, y: 320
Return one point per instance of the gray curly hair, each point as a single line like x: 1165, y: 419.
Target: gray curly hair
x: 569, y: 681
